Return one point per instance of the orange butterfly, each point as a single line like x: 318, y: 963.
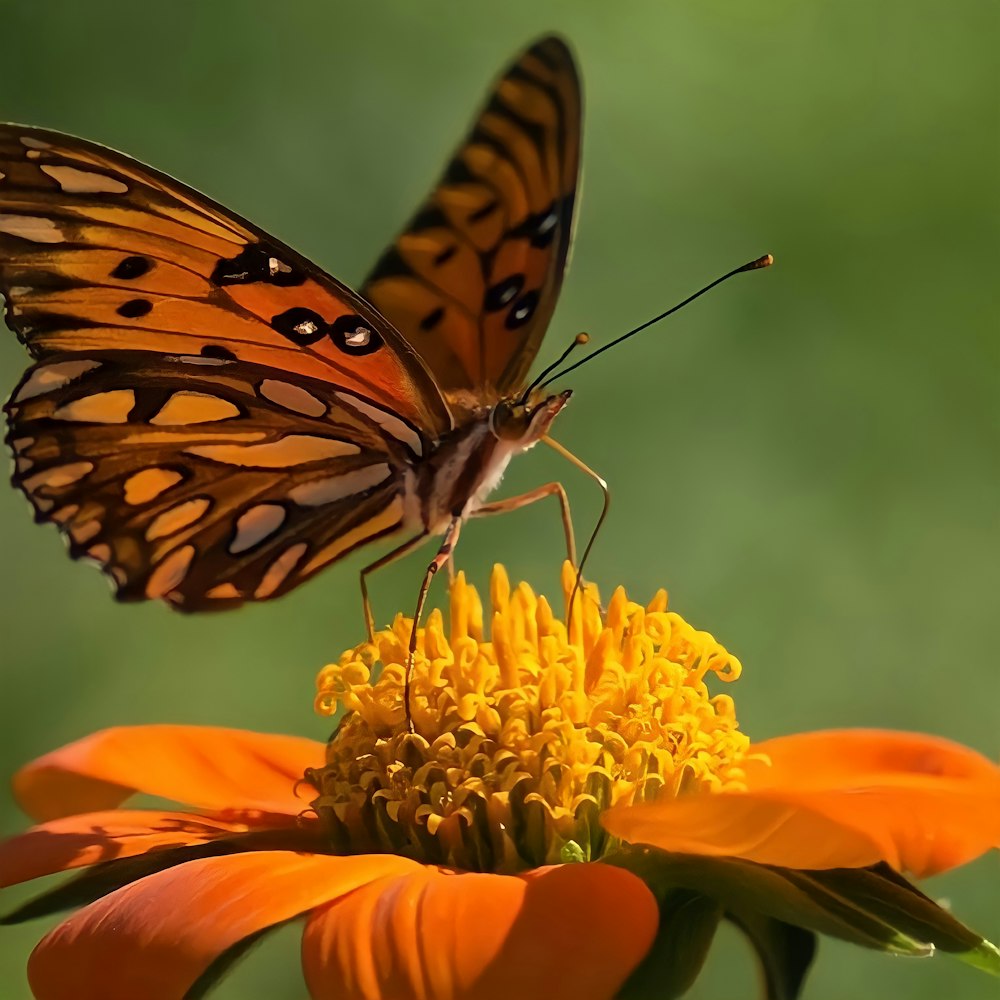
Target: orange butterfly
x: 213, y: 419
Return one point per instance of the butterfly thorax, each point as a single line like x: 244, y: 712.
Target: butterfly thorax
x: 467, y: 464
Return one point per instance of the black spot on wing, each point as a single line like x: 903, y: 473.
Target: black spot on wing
x: 135, y: 308
x: 218, y: 352
x: 522, y: 310
x: 353, y: 335
x: 132, y: 267
x: 301, y: 326
x: 432, y: 319
x: 257, y: 263
x: 443, y: 256
x: 503, y: 293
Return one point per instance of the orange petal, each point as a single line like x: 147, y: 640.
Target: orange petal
x: 839, y: 799
x: 154, y: 938
x: 210, y: 768
x: 932, y: 804
x: 760, y: 827
x: 839, y: 758
x: 89, y: 838
x: 570, y: 931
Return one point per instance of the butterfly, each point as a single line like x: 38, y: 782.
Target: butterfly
x: 212, y: 419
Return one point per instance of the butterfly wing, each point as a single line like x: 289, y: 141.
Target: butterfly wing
x: 98, y: 252
x: 472, y: 281
x: 211, y: 415
x: 205, y: 482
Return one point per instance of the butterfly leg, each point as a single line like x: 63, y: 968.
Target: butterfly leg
x: 533, y: 496
x: 442, y: 557
x: 602, y: 483
x: 389, y: 557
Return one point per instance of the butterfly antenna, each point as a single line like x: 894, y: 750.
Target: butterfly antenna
x: 766, y: 261
x: 579, y: 340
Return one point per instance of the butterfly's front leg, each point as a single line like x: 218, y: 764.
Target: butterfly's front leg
x: 442, y: 557
x: 390, y: 557
x: 533, y: 496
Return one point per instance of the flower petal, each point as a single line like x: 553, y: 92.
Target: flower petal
x: 838, y: 799
x: 574, y: 931
x: 90, y: 838
x: 207, y: 767
x: 154, y: 938
x: 932, y: 804
x: 759, y: 827
x: 838, y: 758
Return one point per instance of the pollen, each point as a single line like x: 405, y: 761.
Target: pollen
x: 524, y: 729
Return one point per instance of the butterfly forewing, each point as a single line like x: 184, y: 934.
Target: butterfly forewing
x: 204, y: 482
x: 99, y: 252
x: 473, y: 279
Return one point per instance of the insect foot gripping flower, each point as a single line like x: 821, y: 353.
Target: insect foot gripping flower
x: 572, y: 815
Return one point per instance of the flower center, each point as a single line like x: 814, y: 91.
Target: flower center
x: 523, y: 734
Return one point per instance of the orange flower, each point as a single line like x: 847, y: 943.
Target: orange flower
x: 573, y: 815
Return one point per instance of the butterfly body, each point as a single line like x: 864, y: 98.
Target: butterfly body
x: 213, y: 419
x: 467, y: 465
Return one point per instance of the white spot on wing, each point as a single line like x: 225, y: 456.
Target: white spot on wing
x: 332, y: 488
x: 31, y: 227
x: 74, y: 181
x: 394, y: 426
x: 198, y: 359
x: 292, y: 397
x: 256, y: 524
x: 359, y: 338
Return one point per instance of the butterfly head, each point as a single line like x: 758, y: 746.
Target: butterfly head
x: 526, y: 422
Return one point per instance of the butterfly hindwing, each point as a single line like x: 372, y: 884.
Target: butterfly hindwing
x: 473, y: 279
x: 205, y: 482
x: 98, y: 252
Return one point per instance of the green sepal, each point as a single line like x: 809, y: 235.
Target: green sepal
x: 872, y: 907
x: 785, y: 952
x: 688, y: 921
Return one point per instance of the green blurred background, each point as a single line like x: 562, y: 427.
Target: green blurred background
x: 807, y: 459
